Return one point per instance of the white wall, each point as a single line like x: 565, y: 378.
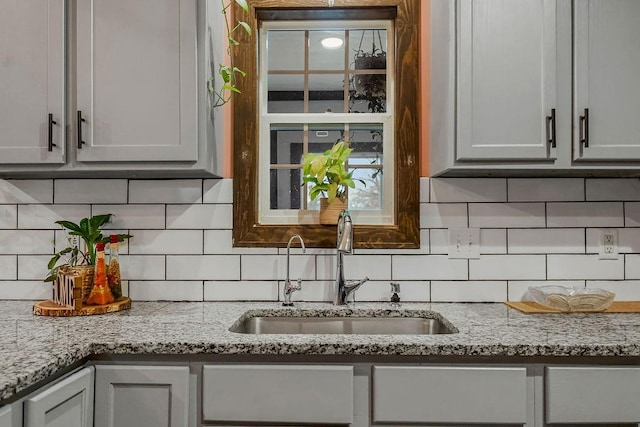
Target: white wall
x: 533, y: 230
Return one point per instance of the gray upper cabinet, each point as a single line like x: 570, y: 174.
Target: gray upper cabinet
x: 136, y: 80
x: 507, y: 78
x: 32, y: 82
x: 68, y: 403
x: 607, y: 66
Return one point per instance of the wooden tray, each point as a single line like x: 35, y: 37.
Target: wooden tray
x: 530, y: 307
x: 49, y: 308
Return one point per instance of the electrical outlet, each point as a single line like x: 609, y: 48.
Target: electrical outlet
x: 608, y: 247
x: 464, y: 243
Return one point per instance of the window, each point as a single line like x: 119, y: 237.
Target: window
x: 306, y: 100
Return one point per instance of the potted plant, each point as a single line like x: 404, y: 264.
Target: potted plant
x: 371, y: 88
x: 330, y: 178
x: 79, y: 262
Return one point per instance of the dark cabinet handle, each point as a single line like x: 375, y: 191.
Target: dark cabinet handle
x: 51, y: 123
x: 584, y: 128
x: 79, y: 122
x: 551, y: 128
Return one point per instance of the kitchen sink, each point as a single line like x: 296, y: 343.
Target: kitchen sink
x: 342, y: 325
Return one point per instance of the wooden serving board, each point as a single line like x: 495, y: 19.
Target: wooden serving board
x: 49, y: 308
x: 530, y: 307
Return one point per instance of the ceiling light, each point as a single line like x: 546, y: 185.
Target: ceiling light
x: 331, y: 42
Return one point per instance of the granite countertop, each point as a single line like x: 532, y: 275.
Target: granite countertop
x: 33, y: 348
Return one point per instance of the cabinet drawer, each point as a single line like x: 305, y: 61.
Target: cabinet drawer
x: 592, y: 394
x: 273, y: 393
x: 449, y: 394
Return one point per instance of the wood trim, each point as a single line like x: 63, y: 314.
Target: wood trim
x: 247, y: 232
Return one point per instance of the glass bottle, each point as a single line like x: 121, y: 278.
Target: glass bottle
x: 113, y: 271
x: 100, y: 293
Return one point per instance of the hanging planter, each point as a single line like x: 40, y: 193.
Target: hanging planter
x: 371, y: 88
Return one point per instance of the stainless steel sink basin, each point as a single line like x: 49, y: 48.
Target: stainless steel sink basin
x: 342, y: 325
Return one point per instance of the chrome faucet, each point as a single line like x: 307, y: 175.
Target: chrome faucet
x: 344, y: 288
x: 288, y: 287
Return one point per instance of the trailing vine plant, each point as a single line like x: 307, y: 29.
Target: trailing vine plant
x: 229, y: 73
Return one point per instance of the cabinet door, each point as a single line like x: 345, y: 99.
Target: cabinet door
x: 32, y: 81
x: 6, y: 419
x: 136, y: 80
x: 506, y: 79
x: 142, y: 396
x: 607, y: 66
x: 68, y: 403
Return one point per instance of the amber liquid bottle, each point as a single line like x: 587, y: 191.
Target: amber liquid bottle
x: 100, y: 293
x: 113, y: 270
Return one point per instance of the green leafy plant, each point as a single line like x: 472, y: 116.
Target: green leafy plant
x: 89, y: 230
x: 328, y: 172
x: 229, y: 73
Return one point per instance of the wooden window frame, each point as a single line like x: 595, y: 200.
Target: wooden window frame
x: 405, y: 233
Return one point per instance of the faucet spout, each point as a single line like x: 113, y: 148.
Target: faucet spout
x: 343, y: 288
x: 288, y: 287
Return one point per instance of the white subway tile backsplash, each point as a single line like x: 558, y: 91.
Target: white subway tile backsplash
x: 584, y: 267
x: 26, y: 191
x: 509, y: 215
x: 424, y: 190
x: 8, y: 216
x: 27, y: 242
x: 175, y: 242
x: 90, y: 191
x: 218, y: 191
x: 507, y: 267
x: 632, y: 214
x: 447, y: 215
x: 274, y: 267
x: 166, y: 290
x: 241, y: 291
x: 44, y: 216
x: 613, y: 189
x: 546, y: 189
x: 165, y: 191
x: 625, y: 290
x: 469, y: 291
x: 203, y: 267
x: 493, y: 241
x: 517, y: 289
x: 200, y: 216
x: 146, y: 217
x: 631, y: 266
x: 439, y: 241
x: 430, y: 267
x: 142, y: 267
x: 33, y: 267
x: 587, y: 214
x: 414, y: 291
x: 546, y: 241
x: 446, y: 190
x: 25, y: 290
x: 356, y: 267
x: 8, y: 268
x: 628, y: 240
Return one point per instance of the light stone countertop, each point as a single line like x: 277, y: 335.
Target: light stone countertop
x: 33, y: 348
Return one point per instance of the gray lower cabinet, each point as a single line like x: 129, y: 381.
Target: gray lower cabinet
x: 452, y: 395
x: 6, y: 419
x: 594, y: 394
x: 142, y: 396
x: 68, y: 403
x: 274, y: 394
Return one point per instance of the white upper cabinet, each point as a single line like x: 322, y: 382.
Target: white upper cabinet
x: 32, y: 82
x: 607, y: 68
x: 136, y: 81
x: 507, y: 78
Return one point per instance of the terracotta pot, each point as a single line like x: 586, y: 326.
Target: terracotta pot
x: 330, y: 212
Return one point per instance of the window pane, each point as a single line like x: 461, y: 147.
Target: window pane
x: 368, y: 91
x: 369, y: 49
x: 366, y: 140
x: 285, y: 188
x: 286, y: 144
x: 326, y: 58
x: 323, y: 136
x: 368, y: 194
x: 288, y: 41
x: 286, y: 93
x: 326, y: 93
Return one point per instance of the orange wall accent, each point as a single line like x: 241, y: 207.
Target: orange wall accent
x: 425, y: 13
